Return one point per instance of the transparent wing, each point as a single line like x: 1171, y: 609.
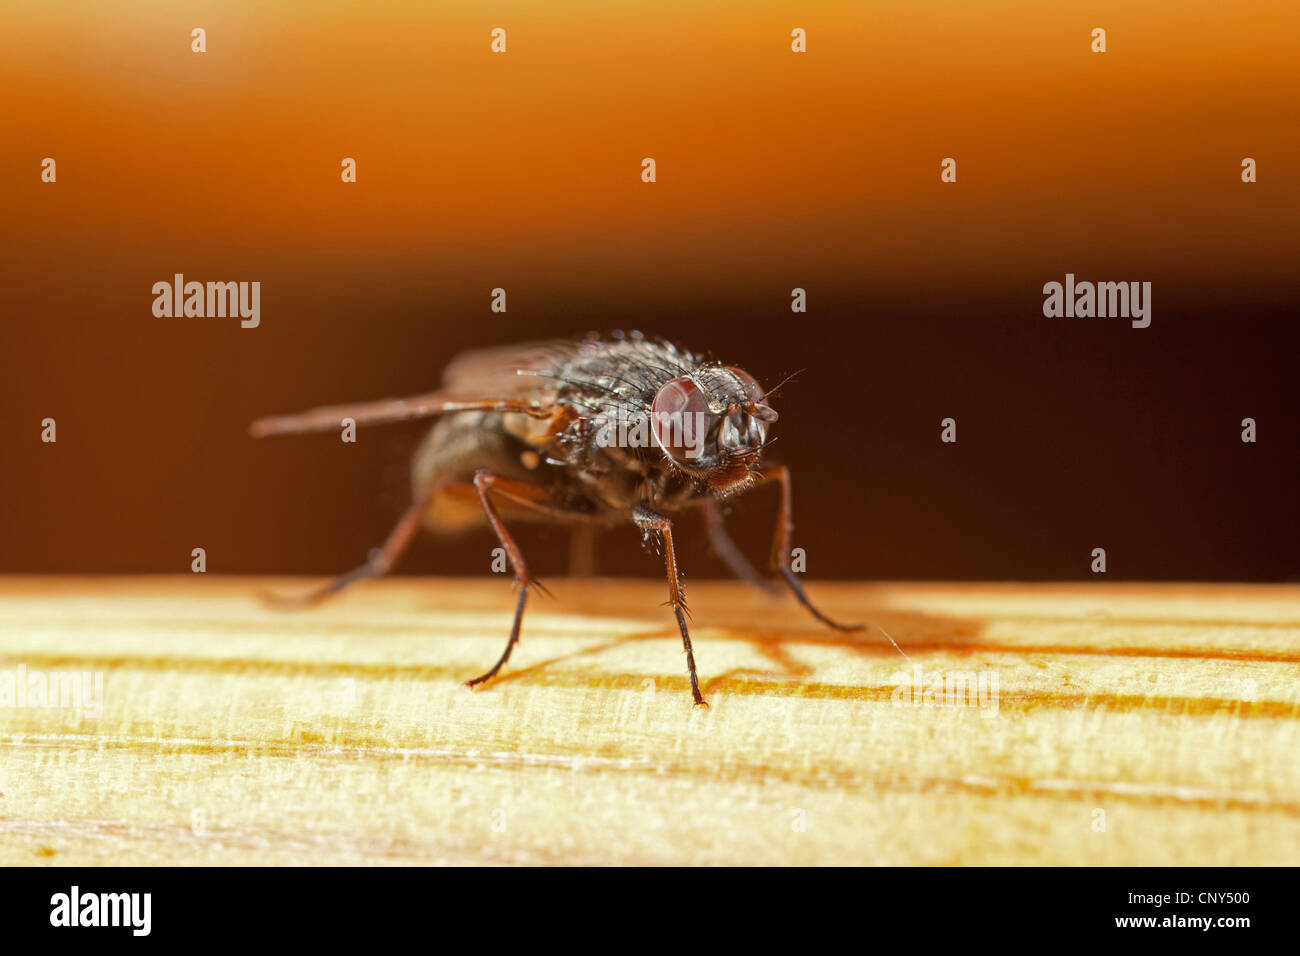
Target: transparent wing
x: 508, y: 370
x: 511, y: 378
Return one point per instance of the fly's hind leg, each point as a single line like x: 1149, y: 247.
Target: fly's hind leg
x: 485, y: 481
x: 379, y: 563
x: 648, y: 520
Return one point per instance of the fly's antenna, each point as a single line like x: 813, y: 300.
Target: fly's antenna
x: 773, y: 389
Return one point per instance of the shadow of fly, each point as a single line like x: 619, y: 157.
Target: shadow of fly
x: 594, y: 432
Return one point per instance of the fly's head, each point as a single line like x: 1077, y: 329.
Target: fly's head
x: 713, y: 425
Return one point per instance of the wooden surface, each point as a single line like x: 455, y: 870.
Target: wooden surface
x: 231, y: 733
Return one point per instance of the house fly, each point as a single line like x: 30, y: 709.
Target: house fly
x: 593, y: 431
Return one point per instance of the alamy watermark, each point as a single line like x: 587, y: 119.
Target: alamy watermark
x: 684, y: 431
x: 208, y: 300
x: 1085, y: 300
x: 919, y: 688
x: 67, y: 690
x: 133, y: 911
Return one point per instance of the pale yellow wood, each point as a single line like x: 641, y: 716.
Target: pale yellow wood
x: 235, y: 734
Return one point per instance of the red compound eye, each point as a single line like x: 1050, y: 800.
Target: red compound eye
x: 752, y: 388
x: 680, y: 418
x: 760, y: 409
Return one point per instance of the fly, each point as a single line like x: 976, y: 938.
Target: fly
x: 590, y: 432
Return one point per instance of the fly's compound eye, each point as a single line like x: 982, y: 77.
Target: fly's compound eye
x: 680, y: 418
x: 752, y: 388
x: 755, y: 393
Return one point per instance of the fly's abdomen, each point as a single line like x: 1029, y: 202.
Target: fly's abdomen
x: 465, y: 443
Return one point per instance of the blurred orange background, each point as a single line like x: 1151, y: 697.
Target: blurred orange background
x: 774, y: 170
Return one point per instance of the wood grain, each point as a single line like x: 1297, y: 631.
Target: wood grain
x: 231, y: 733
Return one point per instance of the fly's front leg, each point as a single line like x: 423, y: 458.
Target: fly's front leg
x: 485, y: 481
x: 726, y: 549
x: 781, y: 548
x: 648, y: 520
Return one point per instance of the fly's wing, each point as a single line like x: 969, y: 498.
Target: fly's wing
x: 508, y: 369
x: 515, y: 378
